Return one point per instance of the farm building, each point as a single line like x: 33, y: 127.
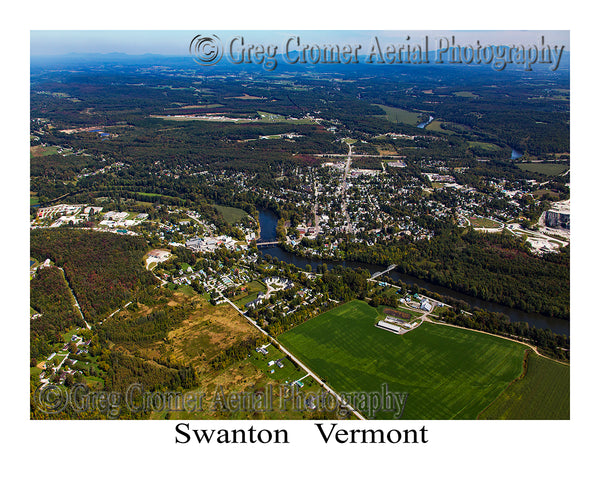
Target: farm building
x: 388, y: 326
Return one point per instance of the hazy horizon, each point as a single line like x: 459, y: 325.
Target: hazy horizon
x: 176, y: 42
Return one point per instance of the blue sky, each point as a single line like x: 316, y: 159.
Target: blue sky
x: 169, y: 42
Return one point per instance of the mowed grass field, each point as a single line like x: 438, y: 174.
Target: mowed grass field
x: 448, y: 373
x: 491, y: 147
x: 399, y: 115
x: 544, y: 168
x: 231, y: 215
x: 436, y: 126
x: 542, y: 394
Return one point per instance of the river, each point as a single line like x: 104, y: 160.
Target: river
x: 268, y: 225
x: 424, y: 124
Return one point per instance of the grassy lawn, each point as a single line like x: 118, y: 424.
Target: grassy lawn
x: 288, y: 373
x: 448, y: 373
x: 230, y: 214
x: 250, y: 294
x: 398, y: 115
x: 544, y: 168
x: 74, y: 331
x: 542, y: 394
x: 186, y: 289
x: 39, y: 151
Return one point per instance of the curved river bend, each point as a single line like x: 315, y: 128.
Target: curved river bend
x: 268, y: 224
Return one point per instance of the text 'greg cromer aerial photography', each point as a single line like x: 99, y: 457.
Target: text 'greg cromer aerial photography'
x: 320, y: 225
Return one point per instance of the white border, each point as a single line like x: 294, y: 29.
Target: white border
x: 456, y: 449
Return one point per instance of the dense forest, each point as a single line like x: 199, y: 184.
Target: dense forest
x: 51, y: 299
x: 104, y: 269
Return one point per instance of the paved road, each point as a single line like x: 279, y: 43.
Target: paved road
x: 344, y: 185
x: 298, y: 362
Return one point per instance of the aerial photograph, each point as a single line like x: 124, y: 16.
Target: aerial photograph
x: 321, y: 225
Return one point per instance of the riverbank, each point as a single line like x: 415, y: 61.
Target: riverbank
x: 268, y: 224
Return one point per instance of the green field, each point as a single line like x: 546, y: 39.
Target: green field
x: 544, y: 191
x: 478, y: 222
x: 465, y: 94
x: 398, y: 115
x: 542, y: 394
x: 230, y: 214
x: 544, y: 168
x: 40, y: 151
x: 491, y: 147
x: 436, y: 126
x: 448, y: 373
x: 185, y: 289
x: 154, y: 195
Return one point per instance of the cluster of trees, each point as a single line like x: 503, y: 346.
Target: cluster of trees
x: 159, y: 374
x: 236, y: 352
x: 143, y: 329
x: 104, y: 269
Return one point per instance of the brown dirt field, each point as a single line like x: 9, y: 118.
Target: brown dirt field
x: 37, y: 151
x: 397, y: 313
x: 386, y: 151
x: 208, y: 331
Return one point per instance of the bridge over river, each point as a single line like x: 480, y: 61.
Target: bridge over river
x: 378, y: 274
x: 260, y: 244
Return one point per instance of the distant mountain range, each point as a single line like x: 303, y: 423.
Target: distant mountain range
x: 282, y: 64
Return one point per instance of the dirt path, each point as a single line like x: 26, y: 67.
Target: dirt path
x: 427, y: 319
